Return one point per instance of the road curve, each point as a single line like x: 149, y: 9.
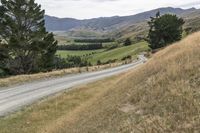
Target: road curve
x: 14, y: 98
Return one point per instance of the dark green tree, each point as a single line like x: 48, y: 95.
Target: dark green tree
x: 127, y: 42
x: 164, y: 30
x: 3, y: 46
x: 48, y: 53
x: 3, y: 57
x: 23, y: 30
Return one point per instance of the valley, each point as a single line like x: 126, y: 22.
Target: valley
x: 134, y: 27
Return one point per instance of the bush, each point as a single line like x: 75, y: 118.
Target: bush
x: 70, y: 61
x: 111, y: 61
x: 3, y: 73
x: 127, y: 42
x: 99, y: 62
x: 127, y: 57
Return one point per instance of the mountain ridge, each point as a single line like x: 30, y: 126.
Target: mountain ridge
x: 106, y: 23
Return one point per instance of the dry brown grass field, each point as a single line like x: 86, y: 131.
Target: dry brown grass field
x: 161, y: 96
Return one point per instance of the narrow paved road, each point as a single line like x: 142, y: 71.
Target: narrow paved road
x: 14, y: 98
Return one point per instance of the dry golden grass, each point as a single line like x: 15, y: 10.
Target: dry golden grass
x: 4, y: 82
x: 161, y: 96
x: 43, y: 115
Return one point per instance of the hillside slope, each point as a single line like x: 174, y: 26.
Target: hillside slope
x: 161, y: 96
x: 192, y: 20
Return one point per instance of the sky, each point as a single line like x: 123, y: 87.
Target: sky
x: 86, y: 9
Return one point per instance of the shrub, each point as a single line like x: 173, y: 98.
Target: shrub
x: 99, y: 62
x: 70, y: 61
x: 127, y: 42
x: 127, y: 57
x: 3, y: 73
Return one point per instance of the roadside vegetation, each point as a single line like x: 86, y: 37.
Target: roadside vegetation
x: 160, y: 96
x: 20, y: 79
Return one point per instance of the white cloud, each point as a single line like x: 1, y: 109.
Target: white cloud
x: 83, y: 9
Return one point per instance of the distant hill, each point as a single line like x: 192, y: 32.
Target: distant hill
x: 139, y: 30
x: 106, y: 23
x: 192, y: 20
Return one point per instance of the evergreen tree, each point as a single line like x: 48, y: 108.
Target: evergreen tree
x: 164, y: 30
x: 48, y: 54
x: 23, y: 30
x: 3, y: 56
x: 3, y: 46
x: 127, y: 42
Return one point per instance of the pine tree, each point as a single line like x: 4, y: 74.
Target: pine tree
x: 23, y: 31
x: 49, y: 52
x: 164, y: 30
x: 3, y: 47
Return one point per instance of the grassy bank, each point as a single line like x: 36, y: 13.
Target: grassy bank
x: 20, y: 79
x: 161, y: 96
x: 41, y: 115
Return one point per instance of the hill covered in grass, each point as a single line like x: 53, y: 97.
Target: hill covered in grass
x: 160, y: 96
x: 119, y: 53
x: 192, y: 20
x: 104, y: 55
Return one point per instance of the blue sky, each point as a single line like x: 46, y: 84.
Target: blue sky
x: 85, y: 9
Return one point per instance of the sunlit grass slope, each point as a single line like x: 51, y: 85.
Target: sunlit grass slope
x: 119, y: 53
x: 105, y: 55
x: 65, y: 53
x: 159, y: 97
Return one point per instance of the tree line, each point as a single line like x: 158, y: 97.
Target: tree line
x: 92, y: 46
x: 103, y: 40
x: 70, y: 61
